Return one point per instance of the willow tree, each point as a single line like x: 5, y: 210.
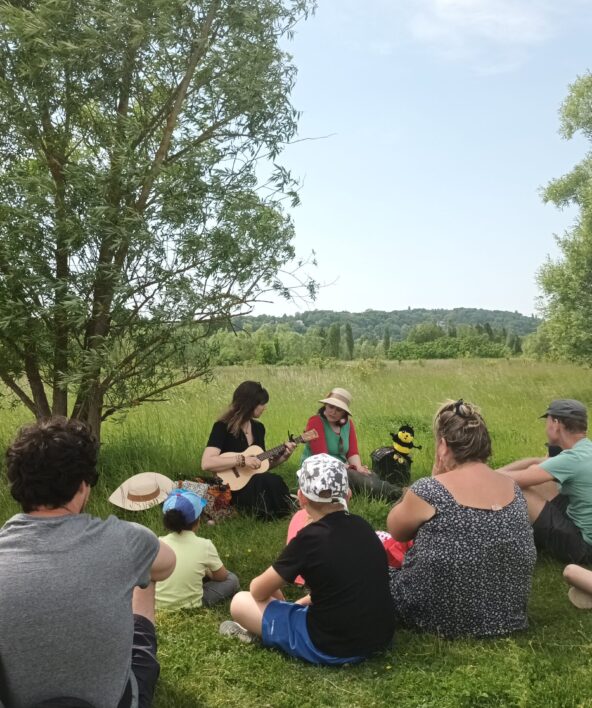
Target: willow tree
x: 132, y: 220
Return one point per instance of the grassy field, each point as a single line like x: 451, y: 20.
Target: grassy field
x: 549, y: 665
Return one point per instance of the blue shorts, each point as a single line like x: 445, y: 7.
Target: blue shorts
x: 284, y: 627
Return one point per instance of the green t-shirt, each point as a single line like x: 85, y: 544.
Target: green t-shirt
x: 573, y: 470
x: 337, y: 445
x: 184, y: 587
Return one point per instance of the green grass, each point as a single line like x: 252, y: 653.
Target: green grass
x: 549, y: 665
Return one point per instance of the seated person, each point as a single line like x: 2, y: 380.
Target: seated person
x: 348, y: 615
x: 77, y: 608
x: 469, y: 570
x: 561, y: 516
x: 337, y: 437
x: 199, y: 577
x: 265, y: 495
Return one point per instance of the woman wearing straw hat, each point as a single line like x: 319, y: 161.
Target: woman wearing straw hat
x: 266, y: 495
x: 337, y: 437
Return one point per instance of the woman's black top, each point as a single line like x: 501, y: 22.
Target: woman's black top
x: 266, y: 495
x: 223, y: 439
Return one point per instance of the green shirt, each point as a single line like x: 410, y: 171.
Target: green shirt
x: 337, y: 445
x: 573, y: 470
x: 184, y: 587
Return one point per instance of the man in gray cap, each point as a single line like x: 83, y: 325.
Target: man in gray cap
x: 561, y: 516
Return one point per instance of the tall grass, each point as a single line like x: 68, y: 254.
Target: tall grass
x: 549, y: 665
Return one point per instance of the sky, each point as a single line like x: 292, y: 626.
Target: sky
x: 428, y: 129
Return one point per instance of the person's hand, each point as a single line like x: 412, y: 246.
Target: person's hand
x: 363, y: 469
x: 252, y: 463
x: 289, y: 448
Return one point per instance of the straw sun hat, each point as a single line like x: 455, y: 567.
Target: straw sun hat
x: 142, y: 491
x: 340, y: 398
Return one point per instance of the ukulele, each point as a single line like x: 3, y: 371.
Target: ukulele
x: 237, y: 477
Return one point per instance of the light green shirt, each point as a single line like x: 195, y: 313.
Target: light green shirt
x: 184, y: 587
x: 573, y: 470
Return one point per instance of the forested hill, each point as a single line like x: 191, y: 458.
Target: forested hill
x: 372, y: 323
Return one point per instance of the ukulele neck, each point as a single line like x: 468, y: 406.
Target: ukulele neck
x: 275, y: 450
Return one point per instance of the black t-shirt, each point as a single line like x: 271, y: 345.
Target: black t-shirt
x: 345, y: 566
x: 225, y: 441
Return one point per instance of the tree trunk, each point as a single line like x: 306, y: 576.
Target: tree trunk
x: 90, y: 411
x: 94, y: 417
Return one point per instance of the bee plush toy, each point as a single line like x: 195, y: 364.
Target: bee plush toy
x: 403, y: 444
x: 393, y: 464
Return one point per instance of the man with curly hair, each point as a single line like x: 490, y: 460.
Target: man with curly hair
x: 77, y: 592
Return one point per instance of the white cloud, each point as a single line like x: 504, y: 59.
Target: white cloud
x: 503, y: 22
x: 494, y: 36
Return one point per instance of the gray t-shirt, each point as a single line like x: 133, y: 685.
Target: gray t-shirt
x: 66, y: 622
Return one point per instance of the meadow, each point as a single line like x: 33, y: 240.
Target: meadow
x: 548, y: 665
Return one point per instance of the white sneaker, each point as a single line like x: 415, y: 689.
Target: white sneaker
x: 229, y: 628
x: 582, y: 600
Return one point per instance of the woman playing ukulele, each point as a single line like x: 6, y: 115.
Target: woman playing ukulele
x: 266, y: 495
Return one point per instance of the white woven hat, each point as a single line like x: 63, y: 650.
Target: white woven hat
x: 142, y: 491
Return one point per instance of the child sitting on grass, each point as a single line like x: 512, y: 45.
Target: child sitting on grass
x: 199, y: 577
x: 348, y: 615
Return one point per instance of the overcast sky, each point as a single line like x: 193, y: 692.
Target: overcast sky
x: 443, y: 125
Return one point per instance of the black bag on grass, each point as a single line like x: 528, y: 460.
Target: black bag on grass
x: 390, y: 467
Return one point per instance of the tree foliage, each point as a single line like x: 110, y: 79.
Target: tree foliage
x: 132, y: 221
x: 372, y: 324
x: 334, y: 341
x: 567, y: 283
x: 349, y: 341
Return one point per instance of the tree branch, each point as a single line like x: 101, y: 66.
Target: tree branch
x: 149, y: 396
x: 196, y: 55
x: 18, y: 391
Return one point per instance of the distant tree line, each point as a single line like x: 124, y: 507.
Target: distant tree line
x: 374, y: 324
x: 279, y: 344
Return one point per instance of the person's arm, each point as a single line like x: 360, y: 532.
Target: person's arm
x: 407, y: 516
x: 218, y: 575
x: 306, y: 600
x: 529, y: 477
x: 212, y: 461
x: 318, y: 445
x: 356, y: 462
x: 164, y: 563
x: 266, y: 585
x: 353, y: 455
x: 521, y: 464
x: 215, y: 569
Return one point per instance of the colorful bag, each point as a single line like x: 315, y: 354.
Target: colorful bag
x: 217, y: 495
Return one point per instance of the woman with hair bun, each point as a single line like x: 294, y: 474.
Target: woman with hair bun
x: 266, y: 495
x: 470, y: 568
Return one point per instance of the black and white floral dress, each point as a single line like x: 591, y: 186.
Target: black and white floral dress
x: 469, y: 571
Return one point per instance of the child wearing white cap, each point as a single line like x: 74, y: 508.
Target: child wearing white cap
x: 324, y: 553
x: 200, y: 577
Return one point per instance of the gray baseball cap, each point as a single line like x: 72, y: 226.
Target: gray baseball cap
x: 567, y: 408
